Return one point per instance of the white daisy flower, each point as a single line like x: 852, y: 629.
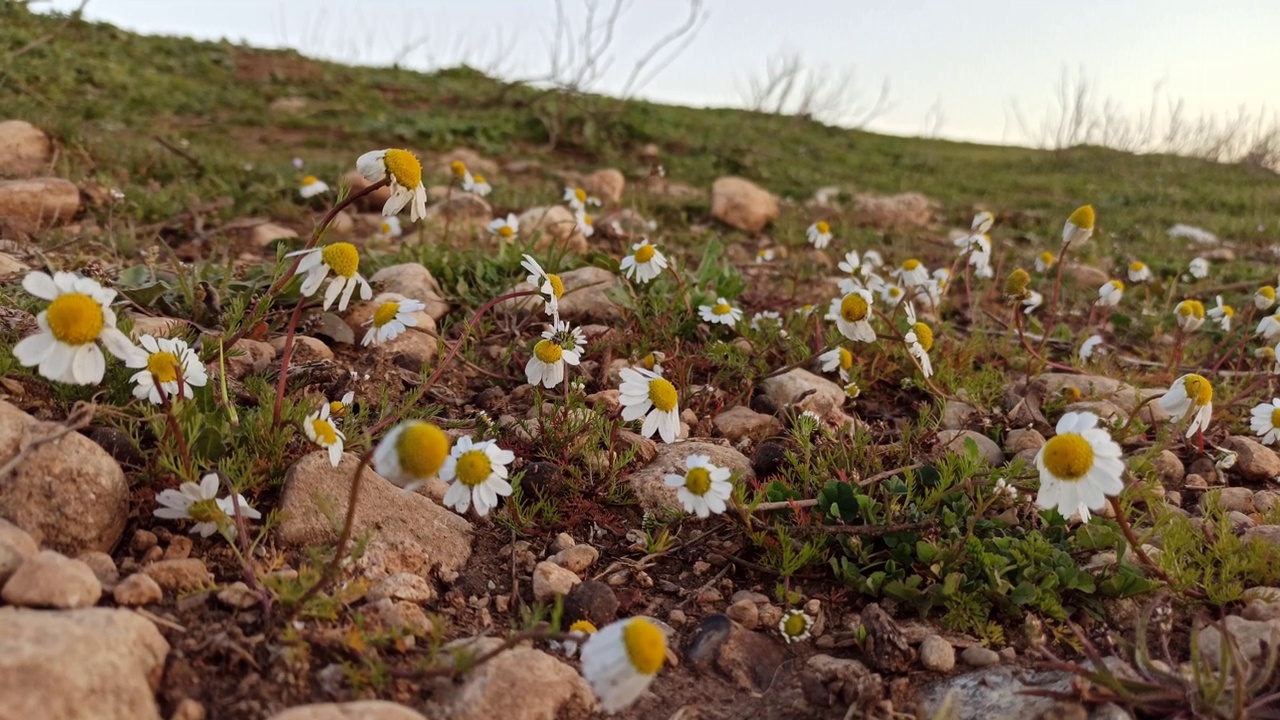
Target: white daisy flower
x: 323, y: 432
x: 942, y: 278
x: 795, y: 626
x: 1044, y: 261
x: 1003, y: 488
x: 851, y: 265
x: 644, y: 263
x: 819, y: 234
x: 506, y: 228
x: 477, y: 474
x: 581, y: 630
x: 404, y: 172
x: 312, y: 186
x: 912, y: 273
x: 976, y: 243
x: 919, y: 339
x: 1033, y: 301
x: 1265, y: 421
x: 872, y: 261
x: 165, y: 363
x: 722, y: 312
x: 892, y: 295
x: 559, y: 346
x: 1090, y: 346
x: 1264, y: 298
x: 391, y: 319
x: 78, y: 317
x: 852, y: 391
x: 763, y: 255
x: 982, y: 222
x: 1190, y: 314
x: 344, y: 260
x: 549, y: 284
x: 981, y: 264
x: 1079, y: 467
x: 476, y: 184
x: 586, y: 225
x: 770, y: 317
x: 653, y: 361
x: 704, y: 487
x: 1139, y: 272
x: 1109, y: 295
x: 198, y: 503
x: 1079, y: 227
x: 228, y: 506
x: 1189, y: 394
x: 338, y: 408
x: 853, y: 316
x: 411, y: 454
x: 645, y: 394
x: 389, y: 228
x: 620, y: 661
x: 1198, y: 268
x: 1222, y: 314
x: 461, y: 174
x: 1269, y: 326
x: 578, y: 199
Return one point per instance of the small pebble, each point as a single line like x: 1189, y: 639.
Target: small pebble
x: 137, y: 590
x: 937, y: 654
x: 978, y: 656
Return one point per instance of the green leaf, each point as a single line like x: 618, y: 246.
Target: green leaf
x: 1023, y: 593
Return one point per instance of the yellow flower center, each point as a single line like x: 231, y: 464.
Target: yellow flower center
x: 385, y: 313
x: 1275, y: 418
x: 645, y: 253
x: 548, y: 352
x: 422, y: 448
x: 794, y: 625
x: 337, y: 409
x: 893, y: 292
x: 386, y: 228
x: 1228, y: 311
x: 924, y: 335
x: 1137, y: 266
x: 1083, y: 217
x: 721, y: 309
x: 662, y: 394
x: 580, y: 194
x: 1017, y: 283
x: 1068, y: 456
x: 853, y: 308
x: 822, y: 227
x: 583, y: 626
x: 698, y: 481
x: 342, y: 257
x: 586, y: 220
x: 163, y: 366
x: 477, y: 179
x: 474, y: 468
x: 852, y: 390
x: 911, y: 264
x: 846, y: 359
x: 506, y: 232
x: 1117, y: 285
x: 458, y: 168
x: 646, y: 646
x: 557, y: 285
x: 404, y: 167
x: 326, y: 434
x: 1267, y: 292
x: 310, y: 180
x: 1046, y: 257
x: 1191, y: 308
x: 1198, y: 389
x: 206, y: 510
x: 75, y: 318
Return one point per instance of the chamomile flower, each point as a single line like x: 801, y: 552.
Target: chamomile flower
x: 229, y: 508
x: 1264, y: 298
x: 403, y: 172
x: 578, y: 199
x: 653, y: 361
x: 1139, y: 272
x: 1079, y: 227
x: 322, y: 431
x: 852, y: 390
x: 892, y: 295
x: 1017, y: 285
x: 1190, y: 314
x: 1269, y: 326
x: 165, y: 363
x: 78, y: 317
x: 819, y: 234
x: 1001, y: 487
x: 198, y: 503
x: 644, y: 263
x: 621, y: 659
x: 763, y: 255
x: 477, y: 474
x: 581, y: 630
x: 411, y: 454
x: 339, y: 408
x: 1033, y: 301
x: 919, y: 339
x: 1222, y: 314
x: 344, y: 260
x: 912, y: 273
x: 389, y: 228
x: 837, y: 359
x: 795, y: 626
x: 1109, y: 295
x: 506, y: 228
x: 1090, y: 346
x: 1079, y: 467
x: 549, y: 284
x: 1190, y: 394
x: 982, y: 222
x: 478, y: 186
x: 853, y: 316
x: 942, y: 277
x: 586, y: 225
x: 1044, y: 261
x: 645, y: 394
x: 768, y: 317
x: 704, y: 487
x: 1198, y: 268
x: 1265, y: 421
x: 390, y: 319
x: 721, y: 312
x: 559, y: 346
x: 311, y: 186
x: 459, y: 171
x: 872, y: 261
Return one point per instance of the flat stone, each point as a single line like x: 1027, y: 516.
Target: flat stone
x: 953, y: 441
x: 518, y: 684
x: 742, y: 204
x: 1232, y: 499
x: 266, y: 235
x: 413, y: 281
x: 551, y: 581
x: 358, y: 710
x: 238, y: 595
x: 1019, y: 439
x: 52, y: 580
x: 137, y: 590
x: 648, y: 483
x: 744, y: 658
x: 305, y: 349
x: 10, y: 265
x: 399, y: 615
x: 249, y: 357
x: 155, y: 326
x: 554, y: 227
x: 585, y: 300
x: 1250, y: 637
x: 25, y: 149
x: 402, y: 586
x: 804, y: 390
x: 894, y: 212
x: 978, y: 656
x: 993, y: 693
x: 1254, y: 461
x: 180, y: 576
x: 576, y: 558
x: 44, y: 201
x: 1076, y: 388
x: 740, y: 422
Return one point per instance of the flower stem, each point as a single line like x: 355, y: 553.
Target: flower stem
x: 176, y: 429
x: 284, y: 361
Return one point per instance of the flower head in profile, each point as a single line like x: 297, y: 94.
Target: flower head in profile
x: 200, y: 503
x: 919, y: 340
x: 477, y: 475
x: 704, y: 487
x: 1079, y: 467
x: 853, y: 316
x: 1139, y: 272
x: 506, y: 228
x: 344, y: 260
x: 721, y: 312
x: 653, y: 361
x: 912, y: 273
x: 1221, y: 314
x: 311, y: 186
x: 1091, y: 345
x: 1269, y: 326
x: 645, y: 394
x: 578, y: 199
x: 391, y: 319
x: 403, y: 172
x: 581, y: 630
x: 1032, y: 303
x: 168, y: 365
x: 1109, y: 294
x: 389, y: 228
x: 1198, y: 268
x: 621, y: 659
x: 339, y: 408
x: 322, y: 431
x: 795, y: 626
x: 1192, y: 395
x: 982, y: 223
x: 763, y: 255
x: 1190, y: 314
x: 1264, y: 420
x: 79, y: 316
x: 412, y: 453
x: 1264, y: 298
x: 1044, y: 261
x: 559, y: 346
x: 459, y: 171
x: 1017, y: 286
x: 837, y: 359
x: 548, y: 284
x: 585, y: 224
x: 644, y: 263
x: 1079, y: 227
x: 819, y: 234
x: 477, y: 185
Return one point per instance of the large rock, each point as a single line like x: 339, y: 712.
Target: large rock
x: 742, y: 204
x: 69, y: 494
x: 1250, y: 638
x: 1051, y: 386
x: 953, y: 441
x: 16, y: 545
x: 648, y: 482
x: 413, y: 280
x: 518, y: 684
x: 740, y: 422
x: 92, y: 664
x: 555, y: 227
x: 1254, y: 460
x: 993, y: 693
x: 265, y: 235
x: 1085, y: 275
x: 52, y: 580
x: 314, y: 505
x: 41, y: 201
x: 586, y: 297
x: 806, y: 390
x: 606, y: 184
x: 24, y: 149
x: 893, y: 212
x: 358, y: 710
x: 411, y: 349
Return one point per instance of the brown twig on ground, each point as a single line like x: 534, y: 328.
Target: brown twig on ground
x: 191, y: 159
x: 80, y: 416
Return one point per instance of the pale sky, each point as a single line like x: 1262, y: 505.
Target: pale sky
x: 972, y: 60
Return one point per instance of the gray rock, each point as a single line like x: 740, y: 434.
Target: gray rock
x: 137, y: 590
x: 803, y: 390
x: 180, y: 576
x: 978, y: 656
x: 51, y: 580
x: 1263, y: 533
x: 1019, y: 439
x: 1254, y: 461
x: 358, y: 710
x: 840, y: 682
x: 1232, y: 499
x: 740, y: 422
x: 992, y: 693
x: 551, y: 581
x: 648, y: 482
x: 937, y: 654
x: 415, y: 281
x: 576, y: 558
x: 956, y: 415
x: 1248, y: 636
x: 518, y: 684
x: 586, y: 296
x: 953, y: 441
